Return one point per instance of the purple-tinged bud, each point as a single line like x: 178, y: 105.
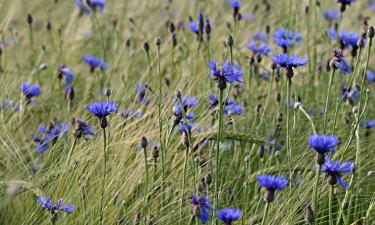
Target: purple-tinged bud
x: 29, y: 19
x: 230, y: 41
x: 49, y: 26
x: 158, y: 41
x: 319, y: 158
x: 261, y: 151
x: 146, y: 47
x: 144, y: 142
x: 309, y: 216
x: 371, y: 32
x: 269, y: 196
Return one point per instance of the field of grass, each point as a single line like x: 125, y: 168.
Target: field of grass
x: 171, y: 145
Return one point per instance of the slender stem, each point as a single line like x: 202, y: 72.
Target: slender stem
x: 146, y: 185
x: 71, y: 150
x: 184, y: 182
x: 308, y: 117
x: 327, y: 100
x: 330, y: 205
x: 288, y: 85
x: 217, y: 153
x: 103, y: 176
x: 315, y: 196
x: 265, y: 211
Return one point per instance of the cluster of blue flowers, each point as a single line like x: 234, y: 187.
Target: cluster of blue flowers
x: 48, y: 136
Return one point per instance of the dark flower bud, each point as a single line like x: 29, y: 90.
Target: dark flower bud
x: 371, y: 32
x: 167, y: 82
x: 337, y: 53
x: 230, y: 41
x: 157, y: 41
x: 208, y: 179
x: 268, y: 29
x: 279, y: 117
x: 332, y: 179
x: 127, y: 42
x: 319, y: 158
x: 144, y: 142
x: 289, y: 72
x: 131, y: 20
x: 251, y: 60
x: 178, y: 94
x: 29, y: 19
x: 49, y: 26
x: 278, y: 97
x: 269, y: 196
x: 221, y: 84
x: 318, y: 3
x: 307, y: 10
x: 261, y: 151
x: 155, y: 153
x: 309, y: 216
x: 259, y: 108
x: 328, y: 65
x: 174, y: 40
x: 103, y: 122
x: 172, y: 27
x: 146, y: 46
x: 342, y: 7
x: 107, y: 92
x: 273, y: 66
x: 186, y: 140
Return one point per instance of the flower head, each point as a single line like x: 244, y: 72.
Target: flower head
x: 235, y: 4
x: 102, y: 110
x: 89, y: 6
x: 260, y: 36
x: 334, y: 171
x: 285, y: 38
x: 228, y: 215
x: 231, y: 108
x: 322, y: 144
x: 259, y: 49
x: 66, y: 73
x: 48, y: 135
x: 30, y: 91
x: 94, y: 63
x: 54, y: 209
x: 272, y: 183
x: 284, y: 60
x: 370, y: 76
x: 199, y: 207
x: 331, y: 16
x: 82, y: 129
x: 141, y: 91
x: 227, y: 74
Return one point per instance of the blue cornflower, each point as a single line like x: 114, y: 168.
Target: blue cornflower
x: 235, y: 4
x: 89, y: 6
x: 271, y: 184
x: 372, y: 7
x: 259, y: 49
x: 338, y: 62
x: 314, y: 111
x: 334, y: 171
x: 370, y: 76
x: 231, y: 108
x: 228, y: 215
x: 66, y: 73
x: 186, y: 130
x: 349, y: 39
x: 368, y: 124
x: 199, y: 207
x: 284, y: 60
x: 142, y: 90
x: 194, y: 28
x: 102, y: 110
x: 48, y: 136
x: 348, y: 2
x: 94, y: 63
x: 331, y: 16
x: 82, y: 129
x: 228, y: 74
x: 260, y: 36
x: 187, y: 103
x: 286, y: 39
x: 54, y: 209
x: 322, y: 144
x: 350, y: 94
x: 30, y: 91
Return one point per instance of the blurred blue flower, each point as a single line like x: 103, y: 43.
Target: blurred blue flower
x: 94, y: 63
x: 370, y: 76
x: 228, y: 215
x: 346, y: 1
x: 334, y: 171
x: 30, y: 91
x: 260, y: 36
x: 322, y: 143
x: 235, y: 4
x: 53, y: 209
x: 231, y: 108
x: 194, y: 28
x: 82, y: 129
x: 89, y: 6
x: 259, y: 49
x: 66, y: 73
x: 331, y: 16
x: 286, y: 39
x: 368, y: 124
x: 272, y: 183
x: 199, y: 207
x: 142, y: 90
x: 102, y: 109
x: 342, y: 66
x: 283, y: 60
x: 372, y: 7
x: 47, y: 136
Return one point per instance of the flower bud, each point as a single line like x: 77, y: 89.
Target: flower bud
x: 157, y: 41
x: 371, y: 32
x: 230, y: 41
x: 29, y: 19
x: 144, y: 142
x: 309, y: 216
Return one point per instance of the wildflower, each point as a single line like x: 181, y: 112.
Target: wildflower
x: 338, y: 62
x: 271, y: 183
x: 142, y: 90
x: 228, y: 74
x: 90, y: 6
x: 231, y: 108
x: 65, y: 72
x: 260, y: 36
x: 48, y: 136
x: 368, y: 124
x: 199, y: 207
x: 370, y: 76
x: 351, y: 95
x: 285, y: 38
x: 131, y: 114
x: 69, y: 92
x: 331, y: 16
x: 82, y: 129
x: 322, y: 144
x: 30, y: 91
x: 102, y: 110
x: 349, y: 39
x: 334, y: 171
x: 344, y: 3
x: 259, y: 49
x: 372, y: 7
x: 194, y: 28
x: 228, y: 215
x: 94, y: 63
x: 54, y: 209
x: 284, y: 60
x: 236, y: 5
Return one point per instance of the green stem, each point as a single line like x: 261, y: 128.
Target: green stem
x: 330, y: 205
x: 217, y: 153
x: 327, y: 100
x: 288, y: 86
x: 184, y: 182
x: 265, y: 213
x: 146, y: 185
x: 315, y: 196
x: 103, y: 177
x: 71, y: 150
x: 308, y: 117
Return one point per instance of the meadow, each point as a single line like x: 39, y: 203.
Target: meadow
x: 187, y: 112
